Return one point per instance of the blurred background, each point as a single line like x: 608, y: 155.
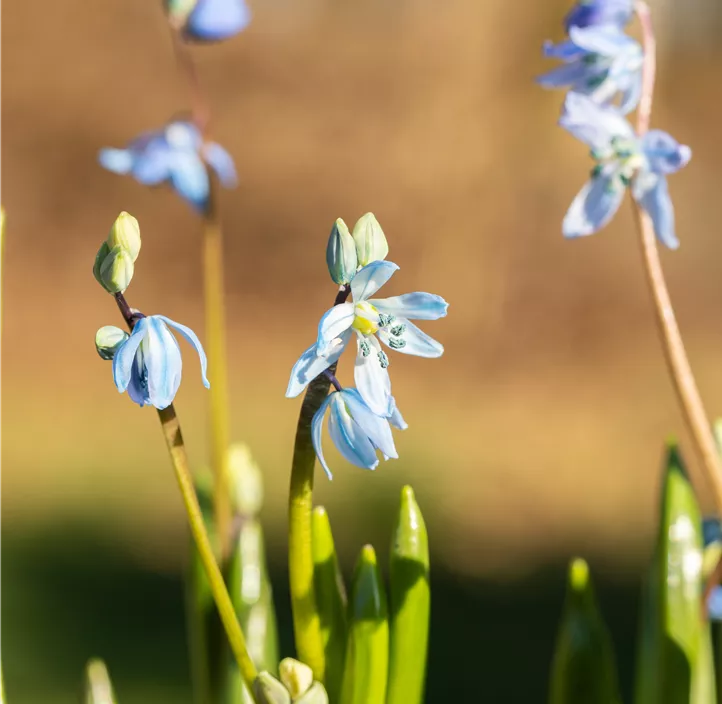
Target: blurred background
x: 536, y: 437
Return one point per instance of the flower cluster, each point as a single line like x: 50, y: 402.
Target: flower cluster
x: 359, y: 418
x: 603, y: 71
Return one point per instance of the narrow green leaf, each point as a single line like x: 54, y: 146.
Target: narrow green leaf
x: 704, y: 685
x: 672, y: 665
x: 330, y: 601
x: 97, y: 686
x: 410, y: 604
x: 583, y: 669
x: 367, y: 651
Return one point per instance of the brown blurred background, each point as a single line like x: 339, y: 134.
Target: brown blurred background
x: 539, y: 432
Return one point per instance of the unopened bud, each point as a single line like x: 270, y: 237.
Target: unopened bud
x: 269, y: 690
x: 371, y: 245
x: 108, y: 339
x: 297, y: 677
x: 316, y: 695
x: 341, y: 254
x: 125, y: 233
x: 246, y: 480
x: 113, y: 268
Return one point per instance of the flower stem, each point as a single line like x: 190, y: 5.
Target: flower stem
x: 217, y: 365
x: 675, y: 355
x: 176, y: 448
x: 306, y: 622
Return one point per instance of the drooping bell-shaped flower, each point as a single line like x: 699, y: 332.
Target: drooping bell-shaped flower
x: 370, y: 320
x: 355, y: 429
x: 175, y: 154
x: 599, y: 61
x: 148, y: 364
x: 622, y: 160
x: 209, y: 20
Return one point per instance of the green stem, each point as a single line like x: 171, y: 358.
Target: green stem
x: 179, y: 459
x: 217, y: 365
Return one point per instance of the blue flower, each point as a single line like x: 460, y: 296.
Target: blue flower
x: 600, y: 62
x: 148, y: 364
x: 622, y: 160
x: 215, y: 20
x: 177, y: 155
x: 370, y: 320
x: 355, y: 429
x: 587, y: 13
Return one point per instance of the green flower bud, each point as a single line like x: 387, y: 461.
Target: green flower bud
x: 269, y: 690
x: 113, y: 268
x: 125, y: 233
x: 108, y: 339
x: 341, y: 254
x: 316, y: 695
x: 246, y: 480
x: 371, y: 245
x: 297, y: 677
x: 98, y: 688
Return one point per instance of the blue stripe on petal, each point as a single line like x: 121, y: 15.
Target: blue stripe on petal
x: 565, y: 51
x: 375, y: 427
x: 317, y: 433
x: 370, y: 279
x: 125, y: 355
x: 191, y: 337
x: 350, y: 440
x: 416, y: 306
x: 372, y: 379
x: 417, y: 342
x: 565, y: 75
x: 594, y: 206
x: 163, y: 361
x: 333, y: 324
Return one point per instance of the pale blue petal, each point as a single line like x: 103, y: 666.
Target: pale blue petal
x: 214, y: 20
x: 711, y: 530
x: 594, y: 206
x: 599, y: 12
x: 182, y: 136
x: 396, y: 419
x: 631, y: 94
x: 163, y: 362
x: 593, y: 124
x: 191, y: 337
x: 119, y: 161
x: 317, y: 433
x: 416, y: 341
x: 350, y: 440
x: 604, y: 40
x: 334, y: 322
x: 310, y: 365
x: 375, y: 427
x: 651, y: 192
x: 565, y: 51
x: 372, y: 380
x: 153, y: 165
x: 222, y: 163
x: 564, y: 75
x: 190, y: 179
x: 138, y: 386
x: 664, y: 153
x: 714, y: 604
x: 125, y: 355
x: 371, y: 278
x: 417, y: 306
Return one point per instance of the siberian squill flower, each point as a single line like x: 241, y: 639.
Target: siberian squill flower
x: 622, y: 159
x: 209, y: 20
x: 148, y: 363
x: 587, y: 13
x: 355, y: 429
x: 369, y: 320
x: 175, y: 154
x: 601, y: 62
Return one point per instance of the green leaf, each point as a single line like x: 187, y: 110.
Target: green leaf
x: 410, y: 604
x: 330, y: 601
x: 367, y: 651
x: 98, y: 688
x: 583, y: 669
x: 673, y: 660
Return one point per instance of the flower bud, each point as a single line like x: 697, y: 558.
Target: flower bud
x: 269, y: 690
x: 316, y: 695
x: 297, y: 677
x: 246, y: 480
x: 341, y: 254
x: 371, y: 245
x: 125, y: 233
x: 108, y: 339
x: 113, y: 268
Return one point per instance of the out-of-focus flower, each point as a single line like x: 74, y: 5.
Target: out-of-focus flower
x: 370, y: 320
x: 601, y: 62
x: 209, y: 20
x: 622, y: 160
x: 108, y: 339
x: 177, y: 155
x: 355, y: 429
x: 148, y: 364
x: 587, y: 13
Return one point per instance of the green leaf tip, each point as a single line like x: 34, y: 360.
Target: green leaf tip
x: 579, y: 574
x: 410, y: 536
x: 97, y: 686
